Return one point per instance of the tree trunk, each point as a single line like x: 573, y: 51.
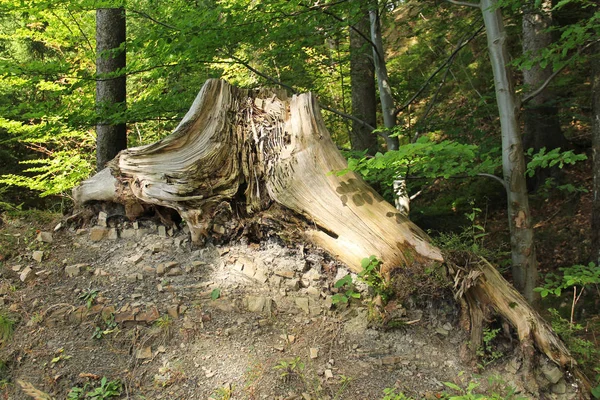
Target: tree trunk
x: 524, y: 263
x: 364, y: 97
x: 385, y: 90
x: 542, y: 125
x: 595, y: 61
x: 110, y: 87
x: 243, y: 155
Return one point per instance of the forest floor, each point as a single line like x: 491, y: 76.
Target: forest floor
x: 242, y: 321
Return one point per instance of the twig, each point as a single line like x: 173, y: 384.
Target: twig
x: 460, y: 46
x: 464, y: 3
x: 543, y: 86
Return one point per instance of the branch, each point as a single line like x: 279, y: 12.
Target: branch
x: 464, y: 3
x: 459, y: 47
x: 257, y: 72
x: 531, y: 95
x: 142, y: 14
x: 348, y: 116
x: 494, y: 177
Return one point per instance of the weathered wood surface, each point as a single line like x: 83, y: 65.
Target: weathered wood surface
x: 246, y: 148
x: 274, y: 149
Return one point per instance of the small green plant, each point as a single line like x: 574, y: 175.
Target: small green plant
x: 392, y: 394
x: 89, y: 296
x: 577, y: 277
x: 7, y: 327
x: 345, y: 285
x: 289, y: 368
x: 222, y: 393
x: 110, y: 327
x: 554, y: 157
x: 487, y: 352
x: 215, y: 294
x: 165, y: 325
x: 497, y: 389
x: 60, y: 356
x: 105, y: 390
x: 371, y: 275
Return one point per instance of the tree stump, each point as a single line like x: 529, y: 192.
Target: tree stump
x: 239, y: 152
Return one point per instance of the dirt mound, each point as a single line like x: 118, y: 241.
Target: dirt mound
x: 137, y: 303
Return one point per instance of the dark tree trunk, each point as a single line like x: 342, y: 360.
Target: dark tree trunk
x: 364, y: 95
x: 388, y: 108
x: 542, y: 125
x: 111, y: 137
x: 595, y: 61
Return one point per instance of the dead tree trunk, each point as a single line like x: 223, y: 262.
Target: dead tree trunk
x: 257, y: 148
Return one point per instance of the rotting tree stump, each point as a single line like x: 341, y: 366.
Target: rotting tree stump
x: 238, y: 152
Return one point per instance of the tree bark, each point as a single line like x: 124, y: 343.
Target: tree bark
x: 111, y: 137
x: 542, y: 125
x: 524, y: 263
x: 388, y: 107
x: 595, y: 61
x: 364, y: 96
x: 240, y: 154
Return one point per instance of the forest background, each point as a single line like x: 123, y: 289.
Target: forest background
x: 445, y: 141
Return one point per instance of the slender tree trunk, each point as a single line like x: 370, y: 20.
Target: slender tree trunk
x: 111, y: 85
x: 385, y: 91
x: 542, y: 125
x: 364, y: 96
x: 595, y: 61
x: 524, y: 263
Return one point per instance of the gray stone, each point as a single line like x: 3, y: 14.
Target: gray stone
x: 162, y: 231
x: 275, y: 281
x: 142, y: 233
x: 261, y: 275
x: 26, y: 275
x: 136, y: 225
x: 155, y: 248
x: 136, y: 258
x: 38, y: 256
x: 313, y: 292
x: 73, y: 270
x: 441, y: 331
x: 175, y: 271
x: 259, y: 304
x: 302, y: 303
x: 112, y: 234
x: 551, y: 372
x: 144, y: 353
x: 357, y: 325
x: 98, y: 233
x: 160, y: 269
x: 512, y: 367
x: 45, y: 237
x: 102, y: 216
x: 134, y: 277
x: 311, y: 275
x: 292, y: 284
x: 128, y: 233
x: 314, y: 352
x: 284, y: 273
x: 560, y: 387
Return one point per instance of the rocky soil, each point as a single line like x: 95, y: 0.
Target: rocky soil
x: 136, y: 302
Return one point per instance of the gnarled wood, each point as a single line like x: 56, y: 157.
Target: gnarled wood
x: 239, y: 149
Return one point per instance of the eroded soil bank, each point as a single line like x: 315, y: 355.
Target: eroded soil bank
x: 139, y: 304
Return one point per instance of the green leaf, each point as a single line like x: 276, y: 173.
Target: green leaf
x: 346, y: 280
x: 453, y: 386
x: 215, y: 294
